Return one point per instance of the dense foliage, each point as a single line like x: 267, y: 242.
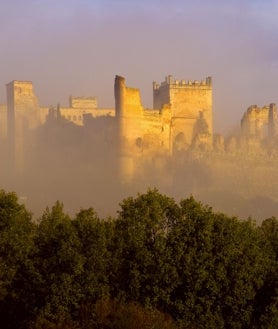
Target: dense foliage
x: 158, y: 264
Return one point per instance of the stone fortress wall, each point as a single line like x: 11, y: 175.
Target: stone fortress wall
x: 259, y: 122
x: 172, y: 144
x: 180, y: 120
x: 182, y: 114
x: 23, y: 103
x: 190, y: 103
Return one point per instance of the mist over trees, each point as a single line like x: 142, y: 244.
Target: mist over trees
x: 80, y: 165
x: 67, y: 162
x: 156, y: 264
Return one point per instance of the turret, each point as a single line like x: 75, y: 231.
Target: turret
x: 119, y: 92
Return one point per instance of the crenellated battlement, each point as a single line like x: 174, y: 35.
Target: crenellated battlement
x: 83, y: 102
x: 171, y: 82
x: 255, y: 109
x: 21, y: 88
x: 25, y: 83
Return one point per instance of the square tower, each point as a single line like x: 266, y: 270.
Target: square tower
x: 22, y: 116
x: 191, y: 107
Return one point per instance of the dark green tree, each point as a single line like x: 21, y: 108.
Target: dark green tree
x: 220, y: 268
x: 60, y: 263
x: 94, y: 238
x: 142, y: 228
x: 266, y: 307
x: 16, y: 266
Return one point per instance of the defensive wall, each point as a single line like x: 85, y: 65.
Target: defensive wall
x: 181, y: 119
x: 182, y: 114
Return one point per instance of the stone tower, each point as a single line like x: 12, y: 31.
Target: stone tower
x: 23, y: 117
x: 191, y: 108
x: 129, y: 113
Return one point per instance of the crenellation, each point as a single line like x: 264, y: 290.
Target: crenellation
x: 209, y: 81
x: 170, y: 81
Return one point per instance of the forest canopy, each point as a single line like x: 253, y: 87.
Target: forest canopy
x: 156, y: 264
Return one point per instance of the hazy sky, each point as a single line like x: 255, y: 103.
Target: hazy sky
x: 77, y: 47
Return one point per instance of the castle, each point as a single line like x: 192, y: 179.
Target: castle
x: 75, y: 151
x: 180, y: 120
x: 181, y: 116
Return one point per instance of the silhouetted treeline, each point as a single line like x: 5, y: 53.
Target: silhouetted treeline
x: 158, y: 264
